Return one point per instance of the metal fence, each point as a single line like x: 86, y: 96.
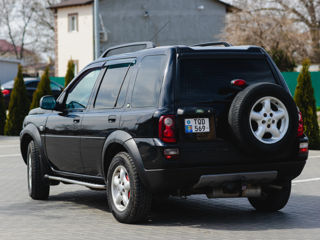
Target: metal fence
x: 291, y: 79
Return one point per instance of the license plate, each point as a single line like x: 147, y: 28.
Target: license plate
x: 196, y: 125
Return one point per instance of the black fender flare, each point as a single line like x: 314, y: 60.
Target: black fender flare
x: 31, y: 132
x: 126, y: 140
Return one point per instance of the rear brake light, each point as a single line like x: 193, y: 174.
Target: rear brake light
x: 300, y: 126
x: 167, y: 129
x: 5, y: 92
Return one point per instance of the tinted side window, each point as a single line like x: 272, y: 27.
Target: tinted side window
x: 110, y: 86
x: 32, y: 84
x: 123, y: 92
x: 148, y: 83
x: 80, y: 94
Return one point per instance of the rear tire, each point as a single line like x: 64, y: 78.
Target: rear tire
x: 128, y: 199
x: 38, y: 185
x: 273, y: 199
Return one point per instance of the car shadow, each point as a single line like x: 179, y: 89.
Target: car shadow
x: 89, y: 198
x: 219, y: 214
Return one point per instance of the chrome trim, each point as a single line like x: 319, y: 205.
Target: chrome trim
x: 86, y: 184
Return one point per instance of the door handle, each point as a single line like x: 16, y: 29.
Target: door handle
x: 112, y: 119
x: 76, y: 120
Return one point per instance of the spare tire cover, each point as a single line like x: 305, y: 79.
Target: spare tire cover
x: 264, y: 118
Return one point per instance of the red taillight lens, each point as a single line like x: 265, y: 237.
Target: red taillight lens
x: 300, y: 126
x: 5, y: 92
x: 167, y: 129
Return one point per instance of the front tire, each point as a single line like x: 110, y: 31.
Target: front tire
x: 272, y: 199
x: 128, y: 199
x: 38, y: 186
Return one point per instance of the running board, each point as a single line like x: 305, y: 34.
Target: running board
x: 67, y: 180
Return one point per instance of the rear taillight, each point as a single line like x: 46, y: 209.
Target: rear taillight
x: 300, y: 126
x: 5, y: 92
x: 167, y: 129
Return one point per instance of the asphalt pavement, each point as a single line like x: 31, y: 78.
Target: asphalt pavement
x: 75, y: 212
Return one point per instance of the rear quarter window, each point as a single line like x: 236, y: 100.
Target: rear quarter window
x: 148, y: 83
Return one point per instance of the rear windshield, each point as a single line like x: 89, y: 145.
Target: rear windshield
x: 210, y: 79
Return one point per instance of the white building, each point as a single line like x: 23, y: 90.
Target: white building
x: 74, y: 34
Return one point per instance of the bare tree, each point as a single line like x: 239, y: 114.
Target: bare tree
x: 306, y: 12
x: 44, y: 20
x: 302, y: 15
x: 17, y: 30
x: 28, y: 25
x: 271, y: 30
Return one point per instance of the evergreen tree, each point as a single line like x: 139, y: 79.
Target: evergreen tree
x: 70, y: 73
x: 2, y: 113
x: 18, y: 106
x: 304, y: 98
x: 281, y: 58
x: 42, y: 89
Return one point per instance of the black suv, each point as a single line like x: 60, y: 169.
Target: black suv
x: 174, y: 120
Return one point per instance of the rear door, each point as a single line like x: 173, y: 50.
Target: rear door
x: 104, y: 115
x: 203, y: 96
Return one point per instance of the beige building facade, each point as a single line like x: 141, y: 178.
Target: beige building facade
x: 74, y: 36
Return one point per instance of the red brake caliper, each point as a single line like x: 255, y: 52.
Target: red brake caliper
x: 127, y: 177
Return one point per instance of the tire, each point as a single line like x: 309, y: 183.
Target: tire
x: 272, y: 199
x: 249, y: 112
x: 38, y: 186
x: 134, y: 204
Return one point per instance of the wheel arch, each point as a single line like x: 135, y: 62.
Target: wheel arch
x: 117, y: 142
x: 29, y: 133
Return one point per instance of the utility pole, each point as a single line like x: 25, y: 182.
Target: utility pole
x: 96, y: 29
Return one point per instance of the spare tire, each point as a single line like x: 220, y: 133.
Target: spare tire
x: 264, y: 119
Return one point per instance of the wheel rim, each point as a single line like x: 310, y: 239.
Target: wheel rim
x: 29, y: 172
x: 120, y: 188
x: 269, y: 120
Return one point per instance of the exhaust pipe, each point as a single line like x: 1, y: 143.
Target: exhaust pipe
x: 245, y: 191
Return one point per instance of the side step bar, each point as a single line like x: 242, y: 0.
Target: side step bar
x: 67, y: 180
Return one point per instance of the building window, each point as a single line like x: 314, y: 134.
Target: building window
x: 73, y: 22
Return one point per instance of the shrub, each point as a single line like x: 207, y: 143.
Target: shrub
x: 70, y: 73
x: 2, y: 113
x: 18, y: 106
x: 304, y: 98
x: 42, y: 89
x: 284, y: 62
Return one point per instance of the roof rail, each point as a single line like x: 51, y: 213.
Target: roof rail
x: 146, y: 44
x: 212, y: 44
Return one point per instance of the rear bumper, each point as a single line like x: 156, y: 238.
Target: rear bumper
x: 168, y: 180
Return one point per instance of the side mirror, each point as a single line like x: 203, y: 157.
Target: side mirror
x: 47, y: 102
